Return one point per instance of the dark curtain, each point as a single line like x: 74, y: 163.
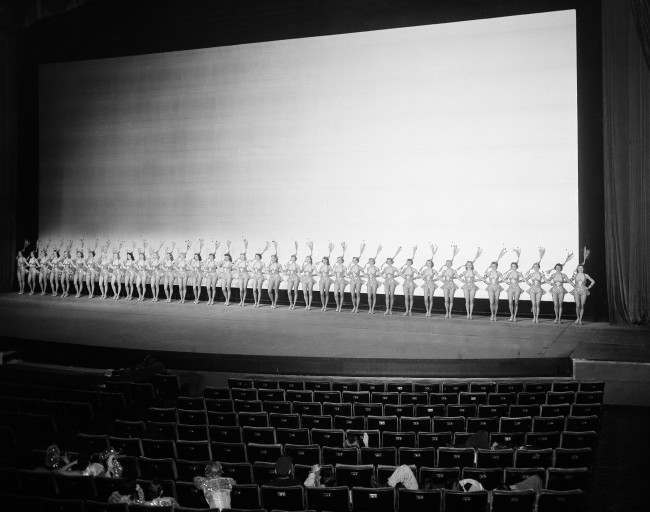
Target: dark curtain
x: 8, y: 156
x: 626, y: 135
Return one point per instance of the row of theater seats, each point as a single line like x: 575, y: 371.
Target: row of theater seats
x: 252, y: 496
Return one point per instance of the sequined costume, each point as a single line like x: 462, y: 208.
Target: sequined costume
x: 216, y: 490
x: 447, y: 276
x: 580, y: 285
x: 536, y: 279
x: 493, y: 279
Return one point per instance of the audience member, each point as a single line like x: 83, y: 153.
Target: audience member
x: 284, y: 473
x: 216, y: 488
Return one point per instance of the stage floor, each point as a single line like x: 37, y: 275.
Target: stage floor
x: 266, y: 340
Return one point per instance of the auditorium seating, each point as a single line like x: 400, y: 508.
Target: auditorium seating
x: 547, y: 428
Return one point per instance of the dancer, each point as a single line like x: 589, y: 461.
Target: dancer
x: 274, y: 269
x: 92, y: 270
x: 79, y: 271
x: 469, y: 277
x: 388, y: 272
x: 493, y: 279
x: 116, y: 269
x: 582, y: 283
x: 513, y: 277
x: 257, y: 268
x: 324, y: 280
x: 292, y: 271
x: 226, y: 274
x: 54, y: 271
x: 210, y: 272
x: 243, y: 275
x: 21, y: 269
x: 182, y: 271
x: 196, y: 266
x: 447, y: 276
x: 535, y: 279
x: 129, y: 272
x: 428, y: 274
x: 140, y: 269
x: 557, y: 279
x: 372, y: 272
x: 354, y: 272
x: 104, y: 271
x: 155, y: 270
x: 409, y: 274
x: 340, y: 283
x: 169, y: 276
x: 67, y: 271
x: 32, y: 271
x: 307, y: 277
x: 43, y: 267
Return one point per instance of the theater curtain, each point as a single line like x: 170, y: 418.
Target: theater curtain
x: 626, y: 143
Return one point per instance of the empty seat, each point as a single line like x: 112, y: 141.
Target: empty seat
x: 308, y: 455
x: 368, y: 409
x: 543, y: 439
x: 525, y: 458
x: 345, y: 386
x: 482, y: 387
x: 449, y: 424
x: 518, y: 411
x: 398, y: 439
x: 565, y: 385
x: 309, y: 408
x: 355, y: 397
x: 260, y: 435
x: 384, y: 397
x: 573, y: 458
x: 560, y: 501
x: 158, y: 468
x: 334, y: 499
x: 192, y: 417
x: 459, y: 501
x: 399, y: 410
x: 354, y: 476
x: 193, y: 450
x: 299, y: 395
x: 216, y: 393
x: 589, y: 397
x: 222, y: 418
x: 526, y: 398
x: 79, y: 487
x: 186, y: 470
x: 382, y: 423
x: 523, y: 424
x: 386, y: 456
x: 219, y: 405
x: 455, y: 387
x: 586, y: 409
x: 430, y: 410
x: 265, y: 384
x: 291, y: 385
x: 314, y: 421
x: 502, y: 399
x: 124, y: 428
x: 435, y: 439
x: 548, y: 424
x: 41, y: 481
x: 337, y: 409
x: 91, y: 443
x: 263, y: 452
x: 292, y: 436
x: 582, y: 423
x: 487, y: 424
x: 167, y: 386
x: 443, y: 398
x: 161, y: 430
x: 495, y: 458
x: 513, y: 501
x: 438, y: 478
x: 327, y: 396
x: 126, y: 445
x: 510, y: 387
x: 474, y: 398
x: 378, y: 499
x: 229, y: 434
x: 271, y: 395
x: 537, y: 387
x: 167, y: 414
x: 414, y: 398
x: 372, y: 387
x: 247, y: 405
x: 555, y: 409
x: 192, y: 432
x: 560, y: 397
x: 419, y: 500
x: 489, y: 478
x: 243, y: 394
x: 240, y: 472
x: 426, y: 387
x: 318, y: 385
x: 277, y: 407
x: 282, y: 498
x: 284, y: 420
x: 190, y: 402
x: 350, y: 422
x: 417, y: 456
x: 327, y: 437
x: 263, y: 472
x: 334, y: 456
x: 418, y: 424
x: 253, y: 419
x: 579, y: 439
x: 245, y: 496
x: 455, y: 457
x: 240, y: 383
x: 188, y: 495
x: 467, y: 410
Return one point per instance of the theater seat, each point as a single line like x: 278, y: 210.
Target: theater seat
x: 459, y: 501
x: 560, y: 501
x: 513, y: 501
x: 355, y: 476
x: 419, y: 500
x: 334, y: 499
x: 378, y: 499
x: 282, y: 498
x: 245, y: 496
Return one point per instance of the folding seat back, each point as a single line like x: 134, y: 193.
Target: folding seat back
x: 502, y: 399
x: 417, y: 456
x: 495, y: 458
x: 327, y: 396
x: 318, y: 385
x: 299, y: 395
x: 277, y: 420
x: 263, y: 452
x: 426, y: 387
x: 523, y: 424
x: 443, y: 398
x: 586, y: 410
x: 243, y: 394
x: 240, y: 383
x: 337, y: 409
x: 247, y: 405
x: 489, y: 478
x: 245, y: 496
x: 161, y: 414
x: 192, y: 417
x: 419, y: 500
x: 518, y: 411
x: 313, y: 421
x: 158, y: 468
x: 334, y: 456
x: 91, y: 443
x: 263, y: 472
x: 282, y: 498
x: 367, y: 409
x: 382, y: 423
x: 399, y: 387
x: 345, y: 386
x: 260, y: 435
x: 560, y: 397
x: 125, y: 428
x: 459, y: 501
x: 159, y: 448
x: 466, y: 410
x: 579, y: 439
x: 449, y: 424
x: 222, y: 418
x: 300, y: 454
x: 455, y: 387
x: 589, y: 397
x: 334, y: 499
x: 193, y: 450
x: 541, y: 440
x: 455, y: 457
x: 253, y: 419
x: 377, y: 499
x: 415, y: 424
x: 229, y: 434
x: 161, y: 430
x: 528, y: 398
x: 482, y: 387
x: 548, y: 424
x: 538, y: 387
x: 413, y: 398
x: 582, y: 423
x: 564, y: 385
x: 434, y: 440
x: 188, y: 495
x: 487, y: 424
x: 186, y: 470
x: 573, y: 458
x: 386, y: 456
x: 219, y: 405
x: 384, y: 397
x: 240, y: 472
x: 62, y: 505
x: 372, y: 387
x: 513, y: 501
x: 474, y: 398
x: 79, y: 487
x: 551, y: 410
x: 277, y: 407
x: 192, y: 432
x: 510, y: 387
x: 560, y: 501
x: 291, y: 385
x: 398, y: 439
x: 271, y: 395
x: 355, y: 476
x: 309, y: 408
x: 190, y: 402
x: 126, y: 445
x: 216, y: 393
x: 349, y: 422
x: 398, y: 410
x: 525, y: 458
x: 327, y: 437
x: 228, y: 452
x: 292, y: 436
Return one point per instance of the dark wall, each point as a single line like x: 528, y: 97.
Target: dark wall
x: 104, y: 28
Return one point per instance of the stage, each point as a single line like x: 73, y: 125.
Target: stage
x: 107, y: 334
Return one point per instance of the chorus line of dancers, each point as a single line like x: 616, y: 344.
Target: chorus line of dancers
x: 117, y: 267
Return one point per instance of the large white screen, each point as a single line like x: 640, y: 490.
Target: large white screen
x: 460, y: 132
